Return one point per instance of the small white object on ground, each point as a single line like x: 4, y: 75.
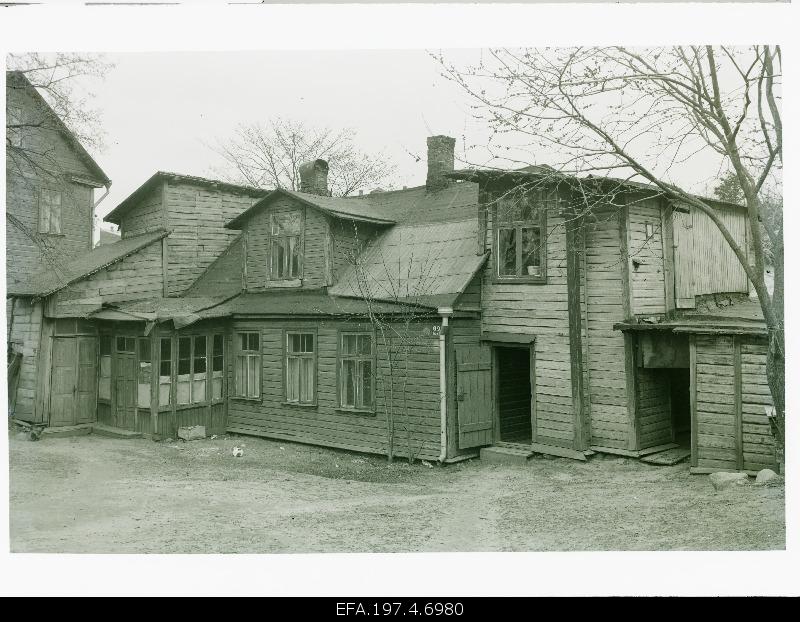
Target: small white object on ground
x: 213, y: 436
x: 764, y: 476
x: 192, y: 432
x: 238, y: 452
x: 427, y: 464
x: 722, y: 480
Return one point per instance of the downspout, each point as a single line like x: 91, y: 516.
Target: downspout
x: 98, y: 202
x: 445, y: 312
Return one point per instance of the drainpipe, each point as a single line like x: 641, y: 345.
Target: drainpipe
x: 98, y: 202
x: 445, y: 312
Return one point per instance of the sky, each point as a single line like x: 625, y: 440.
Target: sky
x: 164, y: 111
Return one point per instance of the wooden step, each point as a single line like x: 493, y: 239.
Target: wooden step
x: 506, y: 455
x: 111, y: 432
x: 67, y: 430
x: 668, y: 457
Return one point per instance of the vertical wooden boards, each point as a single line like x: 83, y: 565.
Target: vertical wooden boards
x: 64, y: 381
x: 155, y: 358
x: 646, y: 257
x: 683, y: 259
x: 758, y: 445
x: 737, y: 400
x: 86, y: 394
x: 574, y: 240
x: 693, y: 396
x: 631, y: 391
x: 474, y: 396
x: 625, y: 262
x: 164, y: 267
x: 716, y: 267
x: 668, y: 251
x: 654, y: 413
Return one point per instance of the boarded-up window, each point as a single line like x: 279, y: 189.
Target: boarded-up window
x: 49, y: 211
x: 356, y: 371
x: 285, y: 242
x: 520, y: 225
x: 300, y: 368
x: 165, y: 372
x: 145, y: 374
x: 248, y: 365
x: 104, y: 380
x: 217, y: 367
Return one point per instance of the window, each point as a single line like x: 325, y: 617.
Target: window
x: 184, y: 384
x: 199, y: 366
x: 520, y: 236
x: 145, y: 374
x: 217, y: 367
x: 49, y: 211
x: 13, y: 123
x: 300, y: 368
x: 126, y: 345
x: 165, y: 372
x: 356, y: 367
x: 104, y: 383
x: 248, y: 365
x: 285, y: 242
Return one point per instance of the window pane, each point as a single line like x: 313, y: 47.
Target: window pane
x: 294, y: 257
x: 199, y: 389
x: 184, y: 390
x: 199, y: 354
x: 163, y: 393
x: 145, y: 379
x: 130, y: 344
x: 253, y: 376
x: 217, y: 345
x: 120, y: 344
x: 531, y: 257
x: 166, y: 349
x: 216, y: 386
x: 241, y: 375
x: 243, y: 342
x: 348, y: 383
x: 144, y: 350
x: 307, y: 343
x: 507, y: 252
x: 287, y: 224
x: 366, y: 380
x: 278, y: 258
x: 253, y: 341
x: 218, y: 364
x: 307, y: 380
x: 349, y: 344
x: 365, y: 344
x: 292, y: 379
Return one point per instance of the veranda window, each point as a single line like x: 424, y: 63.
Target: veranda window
x: 199, y: 369
x: 165, y: 372
x: 49, y: 211
x: 217, y: 367
x: 356, y: 371
x: 520, y: 219
x: 104, y: 380
x: 184, y: 384
x: 248, y: 365
x: 145, y: 375
x: 285, y: 242
x: 300, y: 368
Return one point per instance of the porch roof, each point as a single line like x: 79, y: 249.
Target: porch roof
x: 182, y: 311
x: 316, y: 303
x: 739, y: 317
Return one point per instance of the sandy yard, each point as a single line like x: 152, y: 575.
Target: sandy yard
x: 97, y: 495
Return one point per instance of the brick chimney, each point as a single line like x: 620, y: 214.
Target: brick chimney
x: 314, y: 177
x: 440, y: 161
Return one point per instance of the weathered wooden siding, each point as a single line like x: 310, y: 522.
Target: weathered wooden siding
x: 57, y: 163
x: 470, y: 298
x: 758, y: 446
x: 314, y: 244
x: 25, y: 335
x: 147, y: 215
x: 715, y: 265
x: 606, y: 346
x: 135, y: 277
x: 715, y: 402
x: 653, y: 407
x: 646, y: 258
x: 196, y: 215
x: 323, y: 424
x: 541, y: 310
x: 463, y: 332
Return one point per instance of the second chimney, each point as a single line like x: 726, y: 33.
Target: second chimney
x: 314, y: 177
x: 441, y: 161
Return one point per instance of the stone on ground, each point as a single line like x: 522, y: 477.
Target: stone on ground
x: 722, y: 480
x: 192, y: 432
x: 765, y: 476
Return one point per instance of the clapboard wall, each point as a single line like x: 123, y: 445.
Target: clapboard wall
x: 25, y: 334
x: 416, y: 379
x: 729, y: 395
x: 646, y: 257
x: 653, y: 407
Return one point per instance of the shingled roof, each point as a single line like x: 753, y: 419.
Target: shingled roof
x: 55, y: 278
x: 181, y: 311
x: 418, y: 204
x: 428, y: 264
x: 295, y: 303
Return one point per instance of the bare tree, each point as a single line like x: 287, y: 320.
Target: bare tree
x: 268, y: 156
x: 640, y: 113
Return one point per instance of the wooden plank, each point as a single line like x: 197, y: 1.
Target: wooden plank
x: 508, y: 337
x: 631, y: 391
x: 693, y: 397
x: 553, y: 450
x: 668, y: 250
x: 625, y: 262
x: 737, y: 391
x: 575, y: 329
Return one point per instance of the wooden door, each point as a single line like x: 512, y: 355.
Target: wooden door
x: 683, y: 242
x: 474, y: 396
x: 86, y: 394
x: 125, y: 391
x: 63, y: 382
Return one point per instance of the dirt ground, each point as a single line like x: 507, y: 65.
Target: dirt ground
x: 97, y: 495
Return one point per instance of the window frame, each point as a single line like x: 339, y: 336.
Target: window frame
x: 41, y: 203
x: 173, y: 378
x: 111, y: 348
x: 313, y: 356
x: 543, y: 201
x: 340, y: 357
x: 271, y: 277
x: 210, y: 364
x: 248, y: 354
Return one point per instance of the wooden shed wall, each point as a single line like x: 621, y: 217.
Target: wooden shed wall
x: 136, y: 277
x: 730, y: 425
x: 653, y: 407
x: 25, y: 335
x: 147, y: 215
x: 196, y: 215
x: 716, y: 267
x: 323, y: 424
x: 541, y: 310
x: 606, y: 353
x: 315, y: 242
x: 646, y: 259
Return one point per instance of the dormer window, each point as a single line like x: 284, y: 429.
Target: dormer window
x: 520, y: 236
x: 286, y: 243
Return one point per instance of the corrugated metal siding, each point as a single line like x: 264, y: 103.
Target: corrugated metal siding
x: 715, y: 265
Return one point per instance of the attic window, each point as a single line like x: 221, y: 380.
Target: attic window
x: 285, y: 241
x: 520, y: 239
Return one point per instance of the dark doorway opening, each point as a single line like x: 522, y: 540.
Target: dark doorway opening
x: 514, y: 394
x: 681, y: 409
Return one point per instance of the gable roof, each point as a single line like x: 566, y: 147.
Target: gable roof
x: 428, y: 264
x: 47, y: 282
x: 22, y: 80
x: 417, y: 204
x: 115, y: 215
